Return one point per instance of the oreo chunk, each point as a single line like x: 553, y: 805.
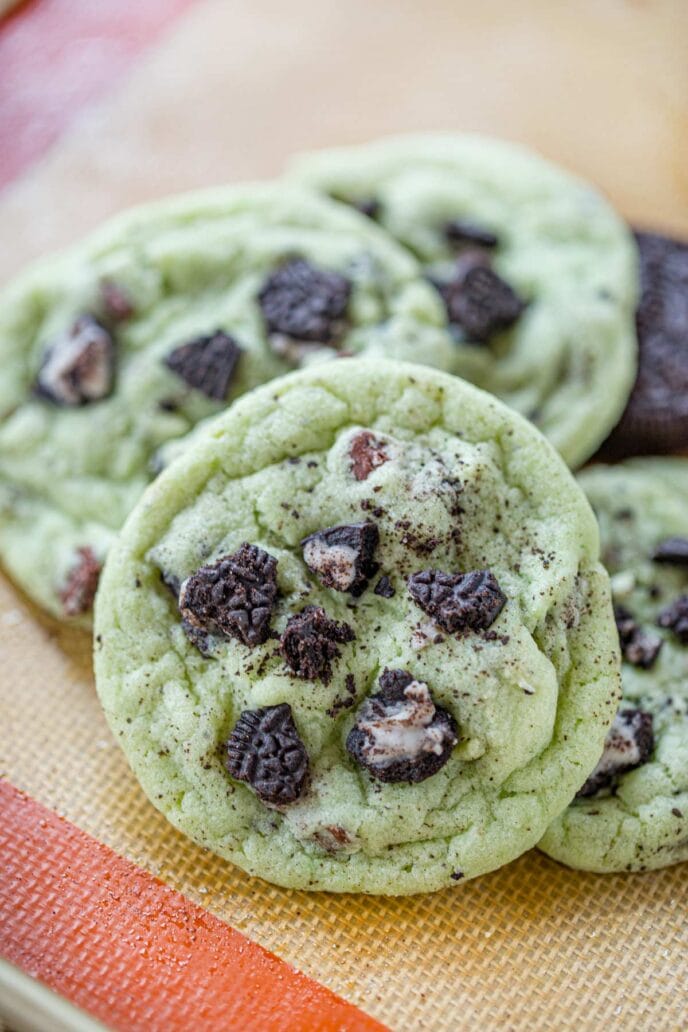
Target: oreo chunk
x: 479, y: 301
x: 368, y: 206
x: 673, y: 550
x: 400, y: 734
x: 656, y: 416
x: 304, y: 303
x: 638, y: 647
x: 78, y: 366
x: 199, y: 638
x: 234, y: 596
x: 675, y: 618
x: 309, y: 643
x: 265, y: 750
x: 207, y: 363
x: 628, y: 745
x: 342, y: 557
x: 384, y: 588
x: 458, y: 602
x: 115, y: 302
x: 464, y: 233
x: 79, y: 590
x: 366, y: 452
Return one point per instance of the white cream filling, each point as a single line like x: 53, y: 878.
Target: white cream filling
x: 620, y: 749
x: 336, y: 562
x: 87, y: 349
x: 403, y: 733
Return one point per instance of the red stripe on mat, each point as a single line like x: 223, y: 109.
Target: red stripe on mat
x: 133, y: 952
x: 56, y: 56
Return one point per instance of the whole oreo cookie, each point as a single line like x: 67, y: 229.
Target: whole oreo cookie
x: 656, y: 417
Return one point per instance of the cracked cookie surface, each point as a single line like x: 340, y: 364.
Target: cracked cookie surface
x: 125, y: 343
x: 639, y: 819
x: 476, y: 734
x: 537, y: 272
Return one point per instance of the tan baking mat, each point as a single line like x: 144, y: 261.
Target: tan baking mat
x: 603, y: 86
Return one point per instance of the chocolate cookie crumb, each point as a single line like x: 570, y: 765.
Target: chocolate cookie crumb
x: 675, y: 618
x: 309, y: 643
x: 305, y: 303
x: 199, y: 638
x: 366, y: 452
x: 384, y: 588
x: 457, y: 875
x: 82, y: 582
x: 368, y: 206
x: 462, y: 233
x: 234, y: 596
x: 342, y: 557
x: 347, y: 701
x: 79, y: 366
x: 265, y: 750
x: 479, y: 301
x: 400, y: 734
x: 171, y: 582
x: 458, y: 601
x: 673, y: 550
x: 207, y: 363
x: 638, y: 647
x: 628, y: 745
x: 116, y: 303
x: 333, y: 838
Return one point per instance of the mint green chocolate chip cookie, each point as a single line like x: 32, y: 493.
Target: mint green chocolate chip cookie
x: 537, y: 273
x: 632, y: 812
x: 357, y: 637
x: 129, y: 340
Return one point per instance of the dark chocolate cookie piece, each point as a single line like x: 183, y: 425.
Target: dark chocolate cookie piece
x: 628, y: 745
x: 343, y: 557
x: 466, y: 233
x: 366, y: 453
x: 368, y: 206
x: 79, y: 590
x: 656, y: 417
x: 305, y: 303
x: 458, y: 602
x: 673, y: 550
x: 265, y: 750
x: 638, y: 647
x: 116, y: 303
x: 310, y: 642
x: 78, y: 367
x: 400, y: 733
x: 384, y: 588
x: 675, y: 618
x: 234, y: 596
x: 478, y: 300
x: 207, y: 363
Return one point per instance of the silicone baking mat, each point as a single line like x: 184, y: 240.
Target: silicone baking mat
x: 228, y: 93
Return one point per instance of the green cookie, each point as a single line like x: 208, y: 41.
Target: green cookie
x: 153, y: 324
x: 632, y: 814
x: 357, y: 638
x: 537, y: 272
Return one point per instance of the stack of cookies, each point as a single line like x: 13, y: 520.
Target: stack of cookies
x: 305, y: 447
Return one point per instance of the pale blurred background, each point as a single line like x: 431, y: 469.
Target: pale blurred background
x: 229, y: 88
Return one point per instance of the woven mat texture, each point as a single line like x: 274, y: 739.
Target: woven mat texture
x: 228, y: 94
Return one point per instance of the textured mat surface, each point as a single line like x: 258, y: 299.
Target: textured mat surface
x: 532, y: 946
x: 133, y: 952
x: 228, y: 94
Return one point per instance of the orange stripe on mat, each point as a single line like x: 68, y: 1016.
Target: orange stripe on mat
x: 135, y: 953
